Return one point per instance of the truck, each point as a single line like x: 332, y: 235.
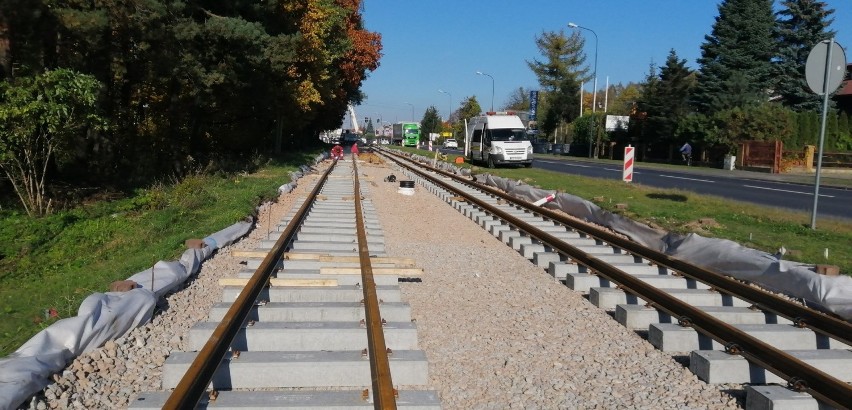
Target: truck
x: 498, y: 138
x: 406, y: 134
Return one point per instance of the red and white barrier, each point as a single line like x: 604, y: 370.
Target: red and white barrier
x: 627, y: 175
x: 544, y: 200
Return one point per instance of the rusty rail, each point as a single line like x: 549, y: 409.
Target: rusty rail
x: 194, y: 383
x: 798, y: 374
x: 384, y: 395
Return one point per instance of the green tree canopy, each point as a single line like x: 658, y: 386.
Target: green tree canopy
x: 468, y: 109
x: 431, y: 122
x: 666, y: 99
x: 735, y: 57
x: 800, y: 26
x: 563, y: 57
x: 40, y: 119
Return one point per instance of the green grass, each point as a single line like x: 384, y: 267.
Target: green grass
x: 56, y: 261
x: 754, y: 226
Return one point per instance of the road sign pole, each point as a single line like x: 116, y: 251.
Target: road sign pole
x: 825, y: 93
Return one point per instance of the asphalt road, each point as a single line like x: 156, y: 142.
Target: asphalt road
x: 833, y: 202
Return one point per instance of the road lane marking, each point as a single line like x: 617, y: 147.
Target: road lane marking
x: 688, y: 179
x: 785, y: 190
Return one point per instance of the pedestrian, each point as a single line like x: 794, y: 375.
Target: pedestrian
x: 354, y: 150
x: 337, y: 152
x: 686, y: 153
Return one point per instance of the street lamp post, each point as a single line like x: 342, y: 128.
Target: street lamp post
x: 595, y: 95
x: 450, y: 113
x: 492, y: 88
x: 412, y: 110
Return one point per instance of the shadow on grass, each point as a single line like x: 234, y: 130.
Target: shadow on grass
x: 668, y: 197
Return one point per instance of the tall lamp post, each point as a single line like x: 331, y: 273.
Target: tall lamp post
x: 595, y: 95
x: 450, y: 114
x: 412, y: 110
x: 492, y: 88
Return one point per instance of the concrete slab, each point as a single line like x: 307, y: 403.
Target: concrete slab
x: 673, y: 338
x: 506, y: 236
x: 315, y: 294
x: 714, y: 366
x: 315, y: 312
x: 306, y: 336
x: 609, y: 298
x: 639, y: 317
x: 544, y: 259
x: 330, y: 246
x: 559, y: 270
x: 328, y: 237
x: 289, y: 399
x: 264, y: 370
x: 774, y: 397
x: 530, y: 249
x: 584, y: 282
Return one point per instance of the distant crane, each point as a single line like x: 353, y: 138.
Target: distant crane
x: 354, y: 119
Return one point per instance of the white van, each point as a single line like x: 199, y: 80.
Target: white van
x: 498, y: 138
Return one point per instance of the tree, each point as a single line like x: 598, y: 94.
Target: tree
x: 39, y: 118
x: 431, y: 122
x: 800, y: 26
x: 737, y: 53
x: 519, y: 100
x: 563, y: 105
x: 468, y: 109
x: 667, y: 99
x: 625, y: 100
x: 564, y: 55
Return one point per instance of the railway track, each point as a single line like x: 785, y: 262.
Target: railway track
x: 732, y: 332
x: 314, y: 320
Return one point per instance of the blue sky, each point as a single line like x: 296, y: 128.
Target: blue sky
x: 440, y: 44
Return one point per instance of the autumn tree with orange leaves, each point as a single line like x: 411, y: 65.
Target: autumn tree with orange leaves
x: 186, y: 82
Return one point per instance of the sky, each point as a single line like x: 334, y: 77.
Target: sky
x: 431, y: 45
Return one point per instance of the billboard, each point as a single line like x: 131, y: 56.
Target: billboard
x: 614, y: 122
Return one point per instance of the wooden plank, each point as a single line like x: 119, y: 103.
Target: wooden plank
x: 249, y: 254
x: 276, y: 282
x: 376, y: 271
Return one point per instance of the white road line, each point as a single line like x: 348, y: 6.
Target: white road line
x: 785, y: 190
x: 688, y: 179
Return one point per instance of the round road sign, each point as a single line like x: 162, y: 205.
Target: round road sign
x: 815, y: 68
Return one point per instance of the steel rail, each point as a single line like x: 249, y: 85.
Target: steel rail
x: 384, y: 396
x: 194, y: 383
x: 823, y: 323
x: 799, y: 374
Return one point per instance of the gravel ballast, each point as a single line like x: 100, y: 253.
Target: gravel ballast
x: 498, y: 331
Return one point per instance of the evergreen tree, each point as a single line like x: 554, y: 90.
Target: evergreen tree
x: 742, y: 41
x: 801, y: 25
x: 431, y: 122
x: 668, y: 99
x: 563, y: 106
x: 469, y: 108
x: 564, y: 56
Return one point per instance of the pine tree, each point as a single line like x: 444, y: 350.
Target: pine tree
x: 801, y: 25
x: 564, y: 56
x: 742, y: 42
x: 671, y: 100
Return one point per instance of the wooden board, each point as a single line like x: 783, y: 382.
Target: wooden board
x: 376, y: 271
x: 276, y: 282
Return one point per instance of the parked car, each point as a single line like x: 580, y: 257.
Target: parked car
x: 450, y: 143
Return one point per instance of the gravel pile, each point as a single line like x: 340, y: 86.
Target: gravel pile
x: 498, y: 331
